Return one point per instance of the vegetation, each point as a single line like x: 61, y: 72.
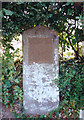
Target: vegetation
x: 71, y: 87
x: 64, y: 17
x: 67, y: 19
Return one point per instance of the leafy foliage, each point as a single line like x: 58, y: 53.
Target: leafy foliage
x: 71, y: 87
x: 12, y: 90
x: 64, y: 17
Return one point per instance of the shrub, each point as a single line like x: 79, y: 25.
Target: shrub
x: 71, y: 87
x: 12, y: 90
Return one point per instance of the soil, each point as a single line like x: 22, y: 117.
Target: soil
x: 5, y: 113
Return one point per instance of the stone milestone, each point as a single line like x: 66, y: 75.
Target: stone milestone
x: 40, y: 68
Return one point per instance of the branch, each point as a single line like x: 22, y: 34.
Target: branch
x: 76, y: 52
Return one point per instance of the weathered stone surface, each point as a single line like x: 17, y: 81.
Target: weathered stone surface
x: 40, y: 67
x: 81, y: 114
x: 39, y: 50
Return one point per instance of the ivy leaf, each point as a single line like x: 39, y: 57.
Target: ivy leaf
x: 8, y: 12
x: 18, y: 3
x: 72, y: 3
x: 16, y: 80
x: 67, y: 3
x: 8, y: 84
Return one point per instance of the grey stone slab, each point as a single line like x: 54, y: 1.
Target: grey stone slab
x: 40, y: 68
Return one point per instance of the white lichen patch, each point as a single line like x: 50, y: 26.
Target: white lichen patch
x: 38, y: 82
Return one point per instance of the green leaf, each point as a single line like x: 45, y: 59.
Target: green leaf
x: 16, y: 80
x: 67, y: 3
x: 8, y: 84
x: 72, y: 3
x: 18, y: 3
x: 50, y: 15
x: 8, y: 12
x: 16, y: 93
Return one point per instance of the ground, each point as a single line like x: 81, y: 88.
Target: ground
x: 5, y: 113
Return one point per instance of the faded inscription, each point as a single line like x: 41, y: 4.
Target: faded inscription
x: 40, y: 68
